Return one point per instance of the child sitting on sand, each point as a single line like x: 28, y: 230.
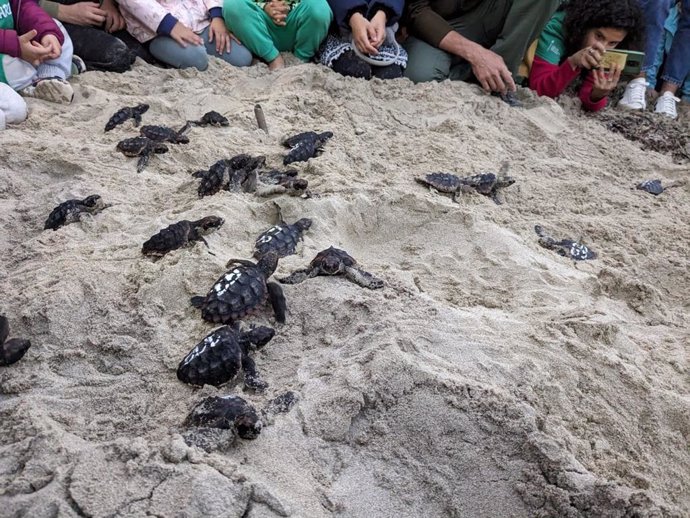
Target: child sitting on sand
x: 574, y: 41
x: 35, y: 53
x: 363, y: 42
x: 182, y: 33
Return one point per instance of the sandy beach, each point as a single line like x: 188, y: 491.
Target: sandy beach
x: 489, y: 377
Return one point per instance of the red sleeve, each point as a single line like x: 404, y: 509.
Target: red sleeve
x: 31, y: 16
x: 548, y: 79
x: 9, y: 43
x: 586, y: 94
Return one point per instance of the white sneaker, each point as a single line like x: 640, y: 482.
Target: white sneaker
x: 53, y: 89
x: 666, y: 105
x: 634, y: 96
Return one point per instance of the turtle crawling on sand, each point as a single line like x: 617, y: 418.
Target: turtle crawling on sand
x: 334, y: 261
x: 220, y: 356
x: 211, y: 118
x: 242, y: 290
x: 120, y: 116
x: 268, y: 183
x: 242, y: 172
x: 655, y: 187
x: 304, y: 146
x: 565, y: 247
x: 70, y: 211
x: 181, y: 234
x: 165, y: 134
x: 12, y: 350
x: 234, y: 174
x: 487, y: 184
x: 281, y: 239
x: 142, y: 147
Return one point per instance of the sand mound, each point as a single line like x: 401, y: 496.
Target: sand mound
x: 490, y: 377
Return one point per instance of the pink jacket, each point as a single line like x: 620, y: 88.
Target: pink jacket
x: 144, y: 17
x: 27, y: 16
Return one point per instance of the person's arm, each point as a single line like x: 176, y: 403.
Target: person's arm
x: 9, y: 43
x: 151, y: 14
x: 214, y: 8
x: 586, y: 95
x: 50, y: 7
x: 429, y: 26
x: 392, y: 8
x: 31, y: 16
x: 548, y: 79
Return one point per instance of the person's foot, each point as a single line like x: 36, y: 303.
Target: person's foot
x: 348, y: 64
x: 277, y: 63
x: 52, y: 89
x: 666, y: 105
x: 78, y: 66
x: 389, y: 72
x: 634, y: 96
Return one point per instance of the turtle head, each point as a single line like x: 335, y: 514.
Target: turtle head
x: 303, y: 224
x: 323, y: 137
x: 268, y: 263
x: 259, y: 336
x: 331, y: 262
x: 209, y: 224
x: 505, y: 181
x: 141, y: 108
x: 248, y: 426
x: 300, y: 184
x: 94, y: 203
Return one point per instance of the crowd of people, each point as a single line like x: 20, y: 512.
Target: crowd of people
x: 544, y: 44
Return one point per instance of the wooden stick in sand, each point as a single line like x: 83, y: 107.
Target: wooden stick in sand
x: 260, y: 119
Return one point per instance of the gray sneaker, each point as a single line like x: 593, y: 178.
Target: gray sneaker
x: 53, y: 89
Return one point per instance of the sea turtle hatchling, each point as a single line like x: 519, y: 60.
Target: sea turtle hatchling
x: 181, y: 234
x: 487, y: 184
x: 165, y: 134
x: 334, y: 261
x: 281, y: 239
x: 12, y: 350
x: 143, y: 148
x: 120, y: 116
x: 242, y: 290
x: 211, y: 118
x: 655, y: 187
x: 70, y: 211
x: 268, y: 183
x: 232, y: 174
x: 565, y: 247
x: 219, y: 357
x: 304, y: 146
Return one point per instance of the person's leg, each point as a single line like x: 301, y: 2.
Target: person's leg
x: 167, y: 50
x: 677, y: 65
x: 247, y: 20
x: 426, y: 62
x: 60, y: 67
x: 140, y: 50
x: 12, y: 106
x: 309, y: 22
x: 238, y: 56
x: 100, y: 50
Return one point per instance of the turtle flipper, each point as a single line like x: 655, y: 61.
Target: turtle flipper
x: 198, y: 301
x: 250, y: 181
x: 13, y: 350
x: 299, y: 276
x: 277, y: 298
x: 281, y: 404
x: 4, y: 329
x: 243, y: 262
x: 252, y: 379
x: 364, y: 279
x: 137, y: 119
x: 143, y: 161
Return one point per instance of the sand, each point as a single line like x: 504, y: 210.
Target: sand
x: 490, y: 377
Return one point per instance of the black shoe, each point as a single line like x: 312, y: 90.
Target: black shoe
x: 350, y: 65
x: 388, y: 72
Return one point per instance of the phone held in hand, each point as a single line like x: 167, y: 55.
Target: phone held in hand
x: 630, y: 61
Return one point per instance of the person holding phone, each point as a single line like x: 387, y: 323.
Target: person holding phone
x: 574, y: 42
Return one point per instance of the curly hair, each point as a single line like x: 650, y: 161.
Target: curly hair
x: 582, y: 16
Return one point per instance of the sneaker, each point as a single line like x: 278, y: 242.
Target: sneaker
x: 634, y: 96
x: 78, y: 66
x: 53, y: 89
x: 666, y: 105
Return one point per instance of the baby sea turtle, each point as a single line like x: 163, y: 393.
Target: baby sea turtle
x: 142, y: 147
x: 304, y: 146
x: 565, y: 247
x: 655, y: 187
x: 165, y: 134
x: 220, y: 356
x: 232, y: 174
x: 485, y: 183
x: 243, y: 168
x: 242, y: 290
x: 268, y: 183
x: 181, y: 234
x: 70, y: 211
x: 125, y: 114
x: 281, y: 239
x: 213, y: 180
x: 211, y: 118
x: 12, y: 350
x: 334, y: 261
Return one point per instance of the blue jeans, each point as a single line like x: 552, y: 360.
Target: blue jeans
x: 167, y: 50
x: 678, y: 62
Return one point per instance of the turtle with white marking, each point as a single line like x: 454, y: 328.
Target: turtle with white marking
x: 12, y: 350
x: 242, y: 290
x: 181, y: 234
x: 221, y: 355
x: 71, y: 211
x: 143, y: 148
x: 565, y: 247
x: 334, y: 261
x: 304, y: 146
x: 281, y: 239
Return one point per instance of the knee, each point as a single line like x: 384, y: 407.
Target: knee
x: 316, y: 13
x: 13, y: 106
x: 426, y: 63
x: 119, y: 57
x: 241, y: 57
x: 195, y: 58
x: 235, y: 11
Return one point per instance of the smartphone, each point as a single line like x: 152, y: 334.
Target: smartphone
x: 629, y: 60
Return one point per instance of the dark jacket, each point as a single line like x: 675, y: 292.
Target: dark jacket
x: 427, y: 19
x: 344, y: 9
x: 27, y: 16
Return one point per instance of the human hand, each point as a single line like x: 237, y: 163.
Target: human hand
x: 184, y: 35
x: 114, y: 21
x: 32, y: 52
x: 278, y: 11
x: 378, y: 27
x: 362, y: 34
x: 82, y: 13
x: 605, y: 82
x: 589, y: 57
x: 50, y: 42
x: 491, y: 71
x: 220, y: 33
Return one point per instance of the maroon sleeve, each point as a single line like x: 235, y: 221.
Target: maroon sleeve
x: 586, y: 96
x: 549, y: 79
x: 9, y: 43
x: 31, y: 16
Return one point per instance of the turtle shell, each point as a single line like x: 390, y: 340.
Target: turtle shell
x: 214, y: 118
x: 484, y: 183
x: 65, y: 213
x: 213, y: 180
x: 225, y: 413
x: 235, y: 294
x: 331, y: 260
x: 651, y: 186
x: 215, y: 360
x: 281, y: 239
x: 442, y: 182
x: 170, y: 238
x: 133, y: 146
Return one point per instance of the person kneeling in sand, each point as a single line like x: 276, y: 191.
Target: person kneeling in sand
x: 12, y: 106
x: 269, y: 28
x: 461, y: 39
x: 35, y: 52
